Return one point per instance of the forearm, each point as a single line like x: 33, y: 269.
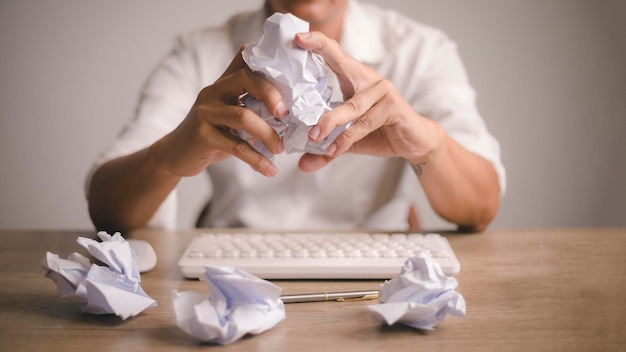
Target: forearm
x: 461, y: 186
x: 125, y: 192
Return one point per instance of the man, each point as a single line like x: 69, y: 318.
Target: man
x: 402, y: 83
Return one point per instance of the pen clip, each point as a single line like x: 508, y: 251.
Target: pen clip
x: 364, y: 298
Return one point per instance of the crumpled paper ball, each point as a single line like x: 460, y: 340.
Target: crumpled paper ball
x: 114, y: 289
x: 239, y: 304
x: 300, y: 76
x: 421, y: 296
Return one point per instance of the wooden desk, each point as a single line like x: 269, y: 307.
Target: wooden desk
x: 526, y: 290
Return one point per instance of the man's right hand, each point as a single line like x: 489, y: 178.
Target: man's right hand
x: 205, y: 135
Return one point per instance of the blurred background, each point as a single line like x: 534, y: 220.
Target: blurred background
x: 550, y: 76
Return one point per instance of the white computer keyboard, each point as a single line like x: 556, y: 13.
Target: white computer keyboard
x: 315, y: 255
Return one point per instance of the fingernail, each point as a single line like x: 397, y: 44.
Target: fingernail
x: 306, y: 164
x: 280, y: 148
x: 314, y: 133
x: 281, y: 109
x: 272, y: 170
x: 304, y: 35
x: 331, y: 149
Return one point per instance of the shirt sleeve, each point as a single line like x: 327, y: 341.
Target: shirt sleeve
x: 164, y: 102
x: 443, y: 93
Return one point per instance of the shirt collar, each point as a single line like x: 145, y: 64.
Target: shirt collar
x: 360, y: 35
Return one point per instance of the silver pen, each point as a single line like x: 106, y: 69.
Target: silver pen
x: 330, y: 296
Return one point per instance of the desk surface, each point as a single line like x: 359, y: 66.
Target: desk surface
x: 530, y: 290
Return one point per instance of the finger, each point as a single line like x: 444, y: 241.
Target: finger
x: 379, y: 115
x: 352, y: 75
x: 313, y: 162
x: 238, y: 80
x: 361, y: 128
x: 344, y: 65
x: 242, y: 150
x: 242, y: 119
x: 349, y: 110
x: 244, y: 81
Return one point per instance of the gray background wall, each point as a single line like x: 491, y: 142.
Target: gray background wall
x: 550, y: 74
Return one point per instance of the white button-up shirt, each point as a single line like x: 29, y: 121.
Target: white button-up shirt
x: 353, y: 191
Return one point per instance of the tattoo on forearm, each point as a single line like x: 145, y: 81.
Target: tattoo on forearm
x: 418, y: 168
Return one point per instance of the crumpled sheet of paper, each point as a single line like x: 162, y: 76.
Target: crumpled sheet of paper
x: 421, y: 296
x: 114, y: 289
x: 302, y: 79
x: 239, y: 304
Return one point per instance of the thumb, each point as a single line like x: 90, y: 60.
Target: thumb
x: 313, y: 162
x: 339, y: 61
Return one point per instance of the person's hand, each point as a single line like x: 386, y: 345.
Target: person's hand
x: 205, y: 135
x: 385, y: 125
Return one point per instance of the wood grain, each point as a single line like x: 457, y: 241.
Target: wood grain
x: 526, y: 290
